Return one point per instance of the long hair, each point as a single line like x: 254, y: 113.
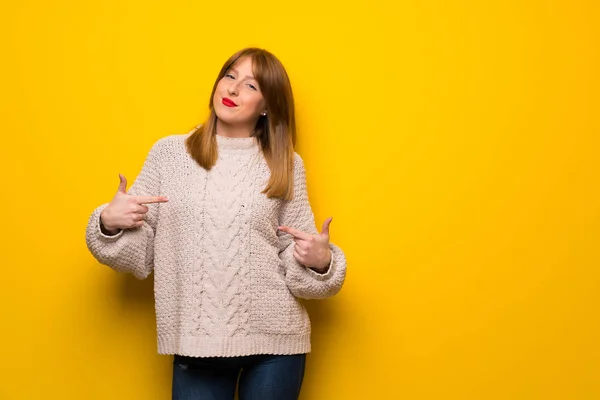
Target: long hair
x: 275, y: 132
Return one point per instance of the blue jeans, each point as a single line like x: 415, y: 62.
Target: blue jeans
x: 261, y: 377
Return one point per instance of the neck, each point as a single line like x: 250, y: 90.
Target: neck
x: 234, y: 131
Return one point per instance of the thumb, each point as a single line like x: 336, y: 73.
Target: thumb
x: 325, y: 228
x: 122, y: 184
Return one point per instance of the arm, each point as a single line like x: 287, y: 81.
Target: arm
x: 302, y: 281
x: 129, y: 250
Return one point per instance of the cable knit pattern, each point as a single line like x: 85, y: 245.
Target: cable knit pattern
x: 226, y: 281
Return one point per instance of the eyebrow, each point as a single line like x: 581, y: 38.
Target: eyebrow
x: 237, y: 72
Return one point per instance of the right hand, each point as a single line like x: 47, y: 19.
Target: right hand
x: 126, y: 211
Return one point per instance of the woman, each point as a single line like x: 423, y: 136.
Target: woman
x: 222, y: 217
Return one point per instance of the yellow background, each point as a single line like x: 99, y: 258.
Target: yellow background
x: 454, y: 142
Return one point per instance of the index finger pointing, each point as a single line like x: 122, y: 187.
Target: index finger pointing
x: 150, y: 199
x: 295, y: 232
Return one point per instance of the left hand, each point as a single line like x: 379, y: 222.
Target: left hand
x: 312, y: 251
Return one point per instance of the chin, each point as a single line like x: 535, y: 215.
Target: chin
x: 230, y: 118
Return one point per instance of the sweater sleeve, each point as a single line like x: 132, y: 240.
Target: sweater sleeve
x: 130, y: 250
x: 297, y: 213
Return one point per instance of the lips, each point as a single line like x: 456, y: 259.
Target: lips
x: 228, y: 102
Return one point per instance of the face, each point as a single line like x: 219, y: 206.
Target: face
x: 238, y: 100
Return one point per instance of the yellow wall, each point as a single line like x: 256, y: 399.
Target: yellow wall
x: 455, y: 144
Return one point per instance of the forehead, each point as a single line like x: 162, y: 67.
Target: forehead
x: 243, y: 65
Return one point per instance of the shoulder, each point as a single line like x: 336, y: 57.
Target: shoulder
x: 171, y: 141
x: 298, y: 162
x: 299, y: 169
x: 167, y: 145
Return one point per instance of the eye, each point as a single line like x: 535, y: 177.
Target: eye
x: 251, y: 86
x: 229, y: 76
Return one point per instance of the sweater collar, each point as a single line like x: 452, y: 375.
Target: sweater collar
x: 249, y: 144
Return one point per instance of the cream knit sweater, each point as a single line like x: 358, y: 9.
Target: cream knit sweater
x: 226, y: 282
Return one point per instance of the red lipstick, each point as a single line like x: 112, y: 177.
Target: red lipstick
x: 228, y: 102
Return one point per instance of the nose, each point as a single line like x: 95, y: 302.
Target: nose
x: 232, y: 89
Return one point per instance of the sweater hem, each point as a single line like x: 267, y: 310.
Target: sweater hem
x: 203, y: 346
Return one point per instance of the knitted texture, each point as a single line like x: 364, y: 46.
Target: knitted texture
x: 226, y: 282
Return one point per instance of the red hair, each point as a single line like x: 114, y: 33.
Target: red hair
x: 275, y: 132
